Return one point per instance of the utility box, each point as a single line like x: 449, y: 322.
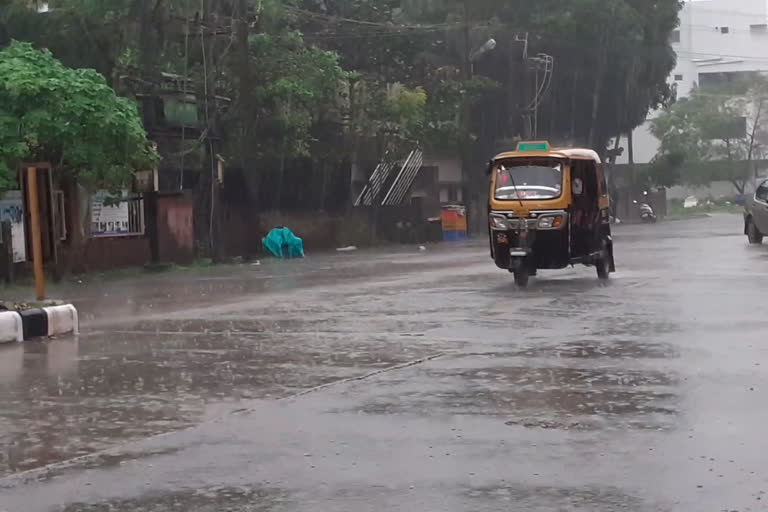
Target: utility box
x: 454, y: 220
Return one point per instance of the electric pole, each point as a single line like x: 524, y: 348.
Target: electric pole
x: 542, y: 66
x: 465, y: 125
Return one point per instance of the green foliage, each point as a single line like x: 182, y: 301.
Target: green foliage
x: 294, y: 87
x: 615, y: 53
x: 80, y: 33
x: 405, y: 110
x: 703, y: 136
x: 664, y: 170
x: 68, y: 117
x: 393, y: 115
x: 612, y: 59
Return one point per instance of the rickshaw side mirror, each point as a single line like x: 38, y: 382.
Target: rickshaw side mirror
x: 489, y: 168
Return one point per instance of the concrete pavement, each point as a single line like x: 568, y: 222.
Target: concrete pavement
x: 408, y: 381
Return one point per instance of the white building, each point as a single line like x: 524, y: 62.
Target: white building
x: 717, y: 41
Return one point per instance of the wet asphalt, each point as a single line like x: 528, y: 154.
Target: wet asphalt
x: 410, y: 380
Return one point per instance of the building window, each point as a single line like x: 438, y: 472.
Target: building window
x: 678, y: 78
x: 732, y: 80
x: 724, y: 30
x: 761, y: 27
x: 450, y: 194
x: 675, y: 37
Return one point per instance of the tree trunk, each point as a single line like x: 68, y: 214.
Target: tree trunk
x: 148, y: 61
x: 596, y: 92
x: 616, y: 147
x: 630, y: 148
x: 572, y: 133
x: 147, y: 45
x: 281, y: 176
x: 753, y: 138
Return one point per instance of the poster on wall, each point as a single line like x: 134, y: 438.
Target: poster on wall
x: 12, y: 210
x: 108, y: 220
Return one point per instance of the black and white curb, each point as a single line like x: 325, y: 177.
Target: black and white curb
x: 16, y: 326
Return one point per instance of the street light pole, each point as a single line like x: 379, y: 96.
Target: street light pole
x: 468, y: 72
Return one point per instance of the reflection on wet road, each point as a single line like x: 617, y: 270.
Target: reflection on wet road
x: 643, y: 394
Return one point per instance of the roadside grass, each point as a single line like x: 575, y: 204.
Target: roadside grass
x: 675, y: 209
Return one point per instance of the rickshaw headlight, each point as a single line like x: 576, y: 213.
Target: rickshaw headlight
x: 550, y: 222
x: 499, y: 222
x: 546, y: 222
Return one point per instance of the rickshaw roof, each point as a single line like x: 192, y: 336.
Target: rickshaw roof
x: 542, y: 149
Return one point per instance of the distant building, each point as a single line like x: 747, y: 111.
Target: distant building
x: 717, y: 42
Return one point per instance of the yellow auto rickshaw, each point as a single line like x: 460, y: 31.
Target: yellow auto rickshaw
x: 548, y: 209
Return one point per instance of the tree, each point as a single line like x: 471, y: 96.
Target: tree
x: 68, y: 117
x: 612, y: 60
x: 305, y: 82
x: 714, y: 135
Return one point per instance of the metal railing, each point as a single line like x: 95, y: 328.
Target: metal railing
x: 404, y: 179
x: 375, y: 183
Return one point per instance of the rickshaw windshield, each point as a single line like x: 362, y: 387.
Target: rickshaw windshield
x: 529, y: 180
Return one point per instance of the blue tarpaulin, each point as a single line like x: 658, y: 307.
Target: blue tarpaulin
x: 282, y: 243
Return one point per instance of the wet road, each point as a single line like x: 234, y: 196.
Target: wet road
x: 406, y: 380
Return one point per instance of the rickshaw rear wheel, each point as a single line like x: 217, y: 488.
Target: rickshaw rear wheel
x: 521, y: 277
x: 603, y: 264
x: 603, y: 268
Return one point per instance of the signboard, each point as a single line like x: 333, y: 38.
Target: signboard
x: 108, y: 220
x: 12, y: 210
x: 533, y: 146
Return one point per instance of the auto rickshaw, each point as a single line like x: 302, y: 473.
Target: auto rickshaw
x: 548, y: 209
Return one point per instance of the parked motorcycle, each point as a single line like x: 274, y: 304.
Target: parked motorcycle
x: 647, y: 214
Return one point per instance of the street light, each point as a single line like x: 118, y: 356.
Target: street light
x: 488, y: 46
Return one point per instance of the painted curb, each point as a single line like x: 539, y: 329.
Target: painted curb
x: 62, y: 320
x: 35, y: 323
x: 11, y: 327
x: 16, y: 326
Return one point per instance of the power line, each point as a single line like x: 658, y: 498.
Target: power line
x: 367, y: 35
x: 341, y: 19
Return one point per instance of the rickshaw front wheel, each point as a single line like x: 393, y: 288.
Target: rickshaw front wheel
x: 604, y: 264
x: 521, y: 276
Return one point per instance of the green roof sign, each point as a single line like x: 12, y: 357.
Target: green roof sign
x: 533, y: 146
